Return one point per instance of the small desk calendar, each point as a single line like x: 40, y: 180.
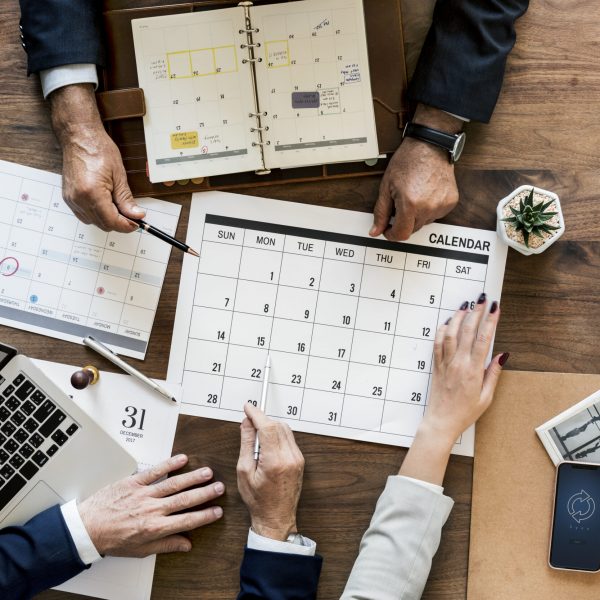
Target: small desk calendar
x: 144, y: 424
x: 349, y: 321
x: 61, y: 278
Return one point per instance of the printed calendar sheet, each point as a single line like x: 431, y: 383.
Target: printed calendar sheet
x: 349, y: 321
x: 61, y: 278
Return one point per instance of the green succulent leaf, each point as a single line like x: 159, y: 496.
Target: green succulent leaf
x: 546, y: 205
x: 530, y: 218
x: 529, y: 199
x: 514, y: 211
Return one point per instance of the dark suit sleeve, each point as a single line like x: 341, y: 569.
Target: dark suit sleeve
x: 461, y: 65
x: 277, y: 576
x: 61, y: 32
x: 37, y: 556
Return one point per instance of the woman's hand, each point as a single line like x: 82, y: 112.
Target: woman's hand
x: 461, y: 389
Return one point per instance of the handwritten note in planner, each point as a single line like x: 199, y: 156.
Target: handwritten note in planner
x: 61, y: 278
x: 349, y: 321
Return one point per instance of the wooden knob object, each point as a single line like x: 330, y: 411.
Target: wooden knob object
x: 88, y: 375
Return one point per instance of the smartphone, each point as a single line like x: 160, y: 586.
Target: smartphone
x: 575, y: 538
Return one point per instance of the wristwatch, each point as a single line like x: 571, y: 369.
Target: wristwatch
x: 452, y: 142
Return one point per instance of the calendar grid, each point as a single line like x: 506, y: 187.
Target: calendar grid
x: 432, y: 349
x: 352, y: 337
x: 387, y: 381
x: 354, y: 240
x: 312, y: 330
x: 228, y: 333
x: 292, y: 353
x: 353, y: 427
x: 256, y: 254
x: 58, y: 276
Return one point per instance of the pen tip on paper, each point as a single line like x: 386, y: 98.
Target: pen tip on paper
x: 193, y: 252
x: 174, y: 399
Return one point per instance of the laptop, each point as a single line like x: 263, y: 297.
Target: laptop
x: 51, y: 451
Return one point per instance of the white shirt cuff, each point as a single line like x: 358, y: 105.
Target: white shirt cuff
x: 259, y: 542
x: 83, y: 543
x: 458, y: 117
x: 438, y: 489
x: 57, y: 77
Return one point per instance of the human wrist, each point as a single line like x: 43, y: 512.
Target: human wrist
x: 86, y: 513
x: 74, y: 112
x: 437, y: 119
x: 437, y: 436
x: 428, y: 456
x: 274, y: 530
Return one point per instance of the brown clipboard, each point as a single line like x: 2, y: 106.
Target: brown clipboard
x: 121, y: 101
x: 513, y: 492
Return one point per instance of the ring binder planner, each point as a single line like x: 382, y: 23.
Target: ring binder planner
x: 124, y: 99
x: 301, y: 67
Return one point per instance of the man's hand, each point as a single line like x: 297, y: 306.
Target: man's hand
x: 419, y: 181
x: 135, y: 516
x: 270, y: 487
x: 94, y: 181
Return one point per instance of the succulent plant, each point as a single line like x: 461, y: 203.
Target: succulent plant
x: 531, y: 218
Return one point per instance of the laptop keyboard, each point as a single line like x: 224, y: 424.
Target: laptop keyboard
x: 33, y: 429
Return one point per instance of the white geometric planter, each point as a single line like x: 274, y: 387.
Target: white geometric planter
x: 519, y: 246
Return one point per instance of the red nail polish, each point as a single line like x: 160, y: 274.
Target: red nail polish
x: 503, y: 358
x: 494, y: 307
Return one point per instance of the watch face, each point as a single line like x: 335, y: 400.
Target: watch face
x: 458, y: 147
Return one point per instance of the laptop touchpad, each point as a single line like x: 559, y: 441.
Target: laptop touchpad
x: 41, y: 497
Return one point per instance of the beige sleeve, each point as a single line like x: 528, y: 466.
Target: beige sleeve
x: 397, y: 549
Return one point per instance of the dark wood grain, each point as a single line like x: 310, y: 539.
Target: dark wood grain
x: 545, y: 130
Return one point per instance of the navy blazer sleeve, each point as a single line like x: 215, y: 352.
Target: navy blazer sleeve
x: 61, y: 32
x: 37, y: 556
x: 461, y: 65
x: 277, y: 576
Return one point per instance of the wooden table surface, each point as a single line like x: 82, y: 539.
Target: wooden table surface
x: 545, y: 131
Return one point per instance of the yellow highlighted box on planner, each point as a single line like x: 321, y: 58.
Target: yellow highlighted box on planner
x: 184, y: 139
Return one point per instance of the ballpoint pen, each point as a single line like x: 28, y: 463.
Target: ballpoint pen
x: 165, y: 237
x: 263, y: 402
x: 105, y: 351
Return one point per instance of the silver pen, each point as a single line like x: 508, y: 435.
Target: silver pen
x: 263, y: 402
x: 105, y: 351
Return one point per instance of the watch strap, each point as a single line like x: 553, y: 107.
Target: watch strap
x: 433, y: 136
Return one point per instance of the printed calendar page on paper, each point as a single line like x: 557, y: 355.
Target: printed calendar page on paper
x: 198, y: 93
x: 313, y: 82
x: 349, y: 321
x: 61, y: 278
x: 254, y: 88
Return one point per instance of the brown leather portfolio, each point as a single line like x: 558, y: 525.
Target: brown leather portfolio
x: 121, y: 101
